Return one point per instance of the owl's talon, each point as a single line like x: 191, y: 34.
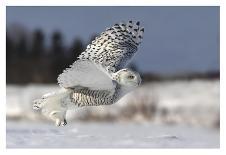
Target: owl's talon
x: 57, y: 123
x: 64, y: 123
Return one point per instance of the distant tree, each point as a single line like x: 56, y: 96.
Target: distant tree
x: 57, y: 54
x: 9, y: 49
x: 76, y: 49
x: 21, y: 47
x: 57, y: 45
x: 37, y: 48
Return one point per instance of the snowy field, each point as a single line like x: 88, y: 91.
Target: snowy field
x: 171, y: 114
x: 109, y: 135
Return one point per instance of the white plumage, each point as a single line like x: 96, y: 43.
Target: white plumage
x: 84, y: 73
x: 98, y: 77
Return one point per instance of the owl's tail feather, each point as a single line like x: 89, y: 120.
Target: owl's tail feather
x: 54, y: 106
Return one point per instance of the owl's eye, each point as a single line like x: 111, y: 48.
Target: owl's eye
x: 130, y: 76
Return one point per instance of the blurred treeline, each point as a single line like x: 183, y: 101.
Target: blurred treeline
x: 30, y: 60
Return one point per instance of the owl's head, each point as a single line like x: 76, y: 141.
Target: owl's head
x: 128, y: 78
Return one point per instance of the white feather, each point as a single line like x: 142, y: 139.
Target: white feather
x: 86, y: 74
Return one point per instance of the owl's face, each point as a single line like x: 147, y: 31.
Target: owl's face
x: 128, y: 78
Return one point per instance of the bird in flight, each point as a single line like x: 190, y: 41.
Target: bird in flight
x: 98, y: 77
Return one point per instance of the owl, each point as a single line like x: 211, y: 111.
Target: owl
x: 98, y: 77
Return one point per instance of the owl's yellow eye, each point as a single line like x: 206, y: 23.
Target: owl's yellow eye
x: 130, y: 76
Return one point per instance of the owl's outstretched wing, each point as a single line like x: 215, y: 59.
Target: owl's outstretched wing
x: 109, y: 52
x: 116, y: 46
x: 86, y: 74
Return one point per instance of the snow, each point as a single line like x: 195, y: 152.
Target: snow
x: 171, y: 114
x: 108, y: 135
x: 195, y: 102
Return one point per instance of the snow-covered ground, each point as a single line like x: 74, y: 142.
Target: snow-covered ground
x: 178, y: 114
x: 109, y: 135
x: 195, y: 102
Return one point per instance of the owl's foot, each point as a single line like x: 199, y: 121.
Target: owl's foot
x: 60, y: 122
x: 59, y: 118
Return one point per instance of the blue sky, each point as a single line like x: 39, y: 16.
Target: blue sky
x: 176, y: 39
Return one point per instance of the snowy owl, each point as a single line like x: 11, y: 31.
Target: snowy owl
x: 98, y: 77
